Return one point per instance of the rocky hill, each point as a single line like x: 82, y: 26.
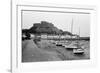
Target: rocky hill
x: 46, y: 27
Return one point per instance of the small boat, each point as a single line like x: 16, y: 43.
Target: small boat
x: 78, y: 51
x: 70, y: 47
x: 58, y: 44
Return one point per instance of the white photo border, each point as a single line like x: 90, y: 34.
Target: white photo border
x: 18, y: 66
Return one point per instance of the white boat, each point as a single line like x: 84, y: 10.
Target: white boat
x: 58, y: 44
x: 78, y: 51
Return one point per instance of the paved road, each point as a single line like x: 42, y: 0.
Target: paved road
x: 31, y: 53
x: 46, y: 51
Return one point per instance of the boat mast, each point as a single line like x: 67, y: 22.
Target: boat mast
x: 79, y: 31
x: 72, y: 27
x: 78, y: 38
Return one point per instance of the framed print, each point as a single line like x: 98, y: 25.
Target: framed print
x: 52, y: 36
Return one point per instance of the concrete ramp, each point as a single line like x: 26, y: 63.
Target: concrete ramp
x: 31, y: 53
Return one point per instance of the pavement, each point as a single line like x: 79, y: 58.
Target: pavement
x: 44, y: 50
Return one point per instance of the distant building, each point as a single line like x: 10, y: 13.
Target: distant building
x: 32, y: 35
x: 74, y: 36
x: 24, y: 35
x: 54, y: 36
x: 44, y: 36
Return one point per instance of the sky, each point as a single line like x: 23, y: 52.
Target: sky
x: 81, y: 22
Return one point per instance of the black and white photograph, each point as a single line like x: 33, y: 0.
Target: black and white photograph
x: 55, y: 36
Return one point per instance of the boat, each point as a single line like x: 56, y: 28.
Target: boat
x: 78, y: 51
x: 75, y: 47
